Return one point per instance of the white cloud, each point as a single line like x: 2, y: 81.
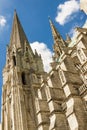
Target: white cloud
x: 2, y: 21
x: 46, y: 54
x: 66, y: 10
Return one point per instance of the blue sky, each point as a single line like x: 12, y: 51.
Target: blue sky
x: 33, y: 15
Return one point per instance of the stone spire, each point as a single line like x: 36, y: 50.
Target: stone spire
x: 68, y: 39
x: 18, y: 36
x: 59, y: 43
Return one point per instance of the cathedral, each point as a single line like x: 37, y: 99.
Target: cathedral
x: 33, y: 99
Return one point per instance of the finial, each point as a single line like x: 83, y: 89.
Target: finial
x: 15, y: 13
x: 50, y: 20
x: 14, y: 10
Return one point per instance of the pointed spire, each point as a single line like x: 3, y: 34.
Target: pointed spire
x: 18, y: 36
x: 55, y: 33
x: 59, y: 43
x: 68, y: 39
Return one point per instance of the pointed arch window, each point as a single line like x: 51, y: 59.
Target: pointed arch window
x: 7, y: 61
x: 23, y: 78
x: 62, y: 77
x: 14, y: 60
x: 81, y: 55
x: 27, y: 49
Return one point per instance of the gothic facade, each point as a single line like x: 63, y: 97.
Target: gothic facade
x: 35, y: 100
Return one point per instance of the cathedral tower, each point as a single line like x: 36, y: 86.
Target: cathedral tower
x: 21, y: 79
x: 35, y: 100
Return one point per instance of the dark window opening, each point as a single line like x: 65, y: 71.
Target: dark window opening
x: 23, y: 78
x: 26, y: 48
x: 8, y: 61
x: 14, y: 60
